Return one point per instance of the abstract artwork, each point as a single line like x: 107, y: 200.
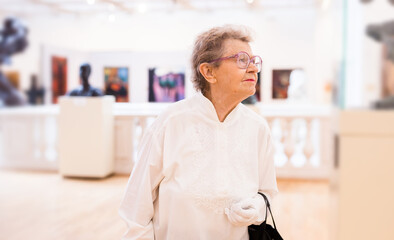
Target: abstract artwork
x: 166, y: 84
x: 116, y: 80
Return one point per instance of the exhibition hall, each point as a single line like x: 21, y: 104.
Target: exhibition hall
x: 105, y: 103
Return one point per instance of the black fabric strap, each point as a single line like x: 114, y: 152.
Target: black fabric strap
x: 267, y: 204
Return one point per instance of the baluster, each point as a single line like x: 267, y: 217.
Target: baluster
x: 288, y: 140
x: 134, y: 141
x: 143, y: 121
x: 36, y: 138
x: 131, y: 143
x: 270, y: 121
x: 50, y: 138
x: 308, y: 147
x: 117, y: 142
x: 123, y: 148
x: 42, y: 143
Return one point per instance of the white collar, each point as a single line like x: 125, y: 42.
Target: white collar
x: 209, y: 110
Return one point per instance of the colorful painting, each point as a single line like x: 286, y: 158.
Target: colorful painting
x: 280, y: 83
x: 166, y: 84
x: 116, y: 80
x: 59, y: 77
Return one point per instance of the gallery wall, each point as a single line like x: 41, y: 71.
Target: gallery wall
x: 364, y: 55
x: 285, y: 38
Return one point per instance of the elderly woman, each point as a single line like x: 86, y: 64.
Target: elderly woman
x: 204, y: 160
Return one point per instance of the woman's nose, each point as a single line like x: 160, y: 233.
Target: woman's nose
x: 252, y: 68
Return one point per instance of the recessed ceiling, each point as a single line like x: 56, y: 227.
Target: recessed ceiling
x: 34, y: 8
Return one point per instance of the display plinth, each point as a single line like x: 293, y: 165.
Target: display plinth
x: 366, y: 192
x: 86, y: 136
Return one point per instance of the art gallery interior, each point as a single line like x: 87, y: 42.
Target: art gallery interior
x: 326, y: 90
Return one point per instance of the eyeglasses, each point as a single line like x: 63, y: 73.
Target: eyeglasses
x: 243, y: 60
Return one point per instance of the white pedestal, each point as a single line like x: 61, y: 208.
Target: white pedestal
x: 86, y: 136
x: 366, y: 175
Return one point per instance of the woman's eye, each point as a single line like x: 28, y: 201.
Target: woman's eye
x: 244, y: 60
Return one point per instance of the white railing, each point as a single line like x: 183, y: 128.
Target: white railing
x: 302, y: 136
x: 28, y: 138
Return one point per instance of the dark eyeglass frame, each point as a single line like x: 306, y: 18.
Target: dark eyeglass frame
x: 250, y: 59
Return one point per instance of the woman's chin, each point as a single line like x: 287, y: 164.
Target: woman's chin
x: 251, y: 91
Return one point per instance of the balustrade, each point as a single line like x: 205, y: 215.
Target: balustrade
x: 302, y: 137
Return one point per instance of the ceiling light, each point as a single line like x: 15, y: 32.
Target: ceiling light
x: 250, y: 1
x: 90, y: 2
x: 142, y: 8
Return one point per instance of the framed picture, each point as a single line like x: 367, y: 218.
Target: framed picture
x: 166, y: 84
x: 280, y: 83
x: 116, y: 82
x: 59, y: 77
x: 289, y: 84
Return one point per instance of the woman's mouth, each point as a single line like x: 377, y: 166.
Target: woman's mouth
x: 249, y: 80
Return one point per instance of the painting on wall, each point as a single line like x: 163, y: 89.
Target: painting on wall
x: 166, y: 84
x: 59, y: 77
x: 280, y: 83
x: 290, y: 84
x: 116, y: 81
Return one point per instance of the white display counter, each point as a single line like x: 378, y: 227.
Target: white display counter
x: 86, y: 136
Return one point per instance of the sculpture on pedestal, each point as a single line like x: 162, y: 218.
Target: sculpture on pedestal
x: 35, y: 93
x: 13, y: 39
x: 85, y: 89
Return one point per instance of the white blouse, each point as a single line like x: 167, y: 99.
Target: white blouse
x: 191, y: 167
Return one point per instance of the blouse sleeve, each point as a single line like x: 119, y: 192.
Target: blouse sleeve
x: 267, y: 174
x: 142, y: 189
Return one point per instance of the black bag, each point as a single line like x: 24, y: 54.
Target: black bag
x: 264, y: 231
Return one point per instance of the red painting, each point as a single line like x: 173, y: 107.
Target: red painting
x: 280, y: 83
x: 59, y: 77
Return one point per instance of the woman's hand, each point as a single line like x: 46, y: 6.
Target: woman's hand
x: 247, y: 212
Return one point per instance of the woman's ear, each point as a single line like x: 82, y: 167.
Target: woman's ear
x: 206, y: 70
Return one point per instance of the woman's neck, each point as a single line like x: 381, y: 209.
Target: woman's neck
x: 223, y: 104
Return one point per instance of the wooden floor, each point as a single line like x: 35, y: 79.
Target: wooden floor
x: 46, y: 206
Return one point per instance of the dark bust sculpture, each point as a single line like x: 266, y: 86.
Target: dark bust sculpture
x: 85, y: 89
x: 36, y: 93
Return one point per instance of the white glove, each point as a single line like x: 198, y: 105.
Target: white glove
x: 247, y: 211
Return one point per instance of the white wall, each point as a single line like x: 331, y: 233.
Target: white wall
x: 364, y: 60
x: 283, y: 37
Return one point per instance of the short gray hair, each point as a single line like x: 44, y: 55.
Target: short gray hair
x: 209, y: 46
